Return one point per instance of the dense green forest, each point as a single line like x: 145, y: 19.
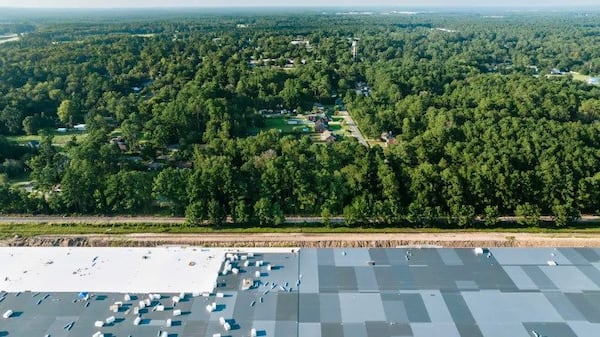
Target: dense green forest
x: 168, y: 113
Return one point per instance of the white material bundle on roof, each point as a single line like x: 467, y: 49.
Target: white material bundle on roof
x: 168, y: 323
x: 227, y: 326
x: 478, y: 251
x: 177, y: 312
x: 257, y: 273
x: 164, y: 334
x: 137, y: 320
x: 253, y: 332
x: 7, y: 313
x: 552, y: 263
x: 98, y: 334
x: 127, y: 297
x: 99, y: 324
x: 160, y: 308
x: 110, y: 320
x: 209, y: 308
x: 220, y: 295
x: 222, y: 320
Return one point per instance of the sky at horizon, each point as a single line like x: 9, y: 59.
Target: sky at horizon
x: 287, y: 3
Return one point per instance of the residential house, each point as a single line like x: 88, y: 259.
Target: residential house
x: 388, y: 138
x: 327, y: 136
x: 321, y: 125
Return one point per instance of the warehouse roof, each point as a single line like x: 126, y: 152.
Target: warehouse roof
x: 326, y: 293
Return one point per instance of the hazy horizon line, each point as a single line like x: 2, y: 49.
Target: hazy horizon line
x: 361, y: 7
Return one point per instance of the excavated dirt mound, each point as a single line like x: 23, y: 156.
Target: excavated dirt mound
x: 452, y: 240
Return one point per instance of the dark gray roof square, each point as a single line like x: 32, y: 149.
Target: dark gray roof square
x: 333, y: 330
x: 309, y: 310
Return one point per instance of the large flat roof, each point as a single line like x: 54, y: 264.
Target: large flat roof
x: 332, y: 293
x: 118, y: 270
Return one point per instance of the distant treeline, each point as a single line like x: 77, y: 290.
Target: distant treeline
x: 486, y: 117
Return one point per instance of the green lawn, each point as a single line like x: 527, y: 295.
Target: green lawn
x: 580, y: 77
x: 281, y: 124
x: 60, y: 138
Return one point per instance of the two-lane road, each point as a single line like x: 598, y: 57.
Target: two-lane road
x: 353, y: 128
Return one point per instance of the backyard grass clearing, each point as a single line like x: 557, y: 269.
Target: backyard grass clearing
x: 580, y: 77
x: 60, y: 138
x: 285, y: 125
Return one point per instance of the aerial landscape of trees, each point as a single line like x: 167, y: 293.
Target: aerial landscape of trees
x: 169, y: 113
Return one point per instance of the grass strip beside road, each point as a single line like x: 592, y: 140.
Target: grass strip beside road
x: 9, y: 230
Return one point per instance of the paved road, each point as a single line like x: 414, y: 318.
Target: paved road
x: 353, y: 128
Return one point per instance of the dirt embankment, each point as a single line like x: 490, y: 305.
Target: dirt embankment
x: 457, y: 240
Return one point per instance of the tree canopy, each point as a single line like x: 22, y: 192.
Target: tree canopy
x: 489, y: 116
